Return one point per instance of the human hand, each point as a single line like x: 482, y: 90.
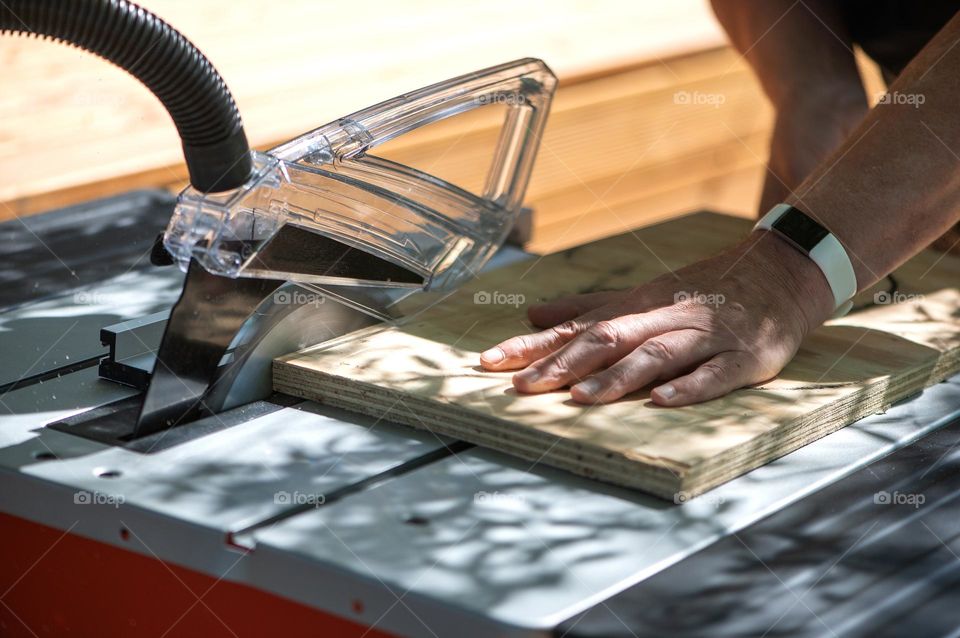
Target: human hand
x: 701, y: 332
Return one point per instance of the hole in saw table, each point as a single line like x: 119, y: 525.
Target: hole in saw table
x: 418, y: 521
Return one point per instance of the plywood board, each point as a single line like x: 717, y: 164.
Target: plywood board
x: 425, y: 372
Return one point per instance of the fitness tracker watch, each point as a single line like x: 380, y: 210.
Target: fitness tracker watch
x: 819, y: 244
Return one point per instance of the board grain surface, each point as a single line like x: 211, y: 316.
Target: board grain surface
x: 425, y: 371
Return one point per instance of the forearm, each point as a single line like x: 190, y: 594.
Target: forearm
x: 894, y: 185
x: 801, y: 52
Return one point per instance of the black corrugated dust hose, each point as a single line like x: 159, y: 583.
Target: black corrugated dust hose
x: 214, y: 145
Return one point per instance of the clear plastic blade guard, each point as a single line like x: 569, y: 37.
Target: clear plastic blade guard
x: 322, y: 211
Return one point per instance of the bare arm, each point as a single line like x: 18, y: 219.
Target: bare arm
x: 797, y: 49
x: 801, y: 53
x: 894, y: 186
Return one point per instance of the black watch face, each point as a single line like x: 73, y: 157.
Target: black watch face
x: 802, y: 230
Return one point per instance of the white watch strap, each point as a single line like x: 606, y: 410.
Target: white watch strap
x: 828, y: 254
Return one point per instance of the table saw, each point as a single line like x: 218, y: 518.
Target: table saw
x: 283, y: 517
x: 153, y: 484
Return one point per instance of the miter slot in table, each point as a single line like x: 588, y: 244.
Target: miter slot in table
x: 114, y: 423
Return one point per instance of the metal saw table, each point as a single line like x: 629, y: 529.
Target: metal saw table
x: 284, y: 517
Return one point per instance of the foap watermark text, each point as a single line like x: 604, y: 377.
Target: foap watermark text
x: 298, y: 498
x: 297, y: 298
x: 497, y: 298
x: 687, y: 98
x: 83, y: 497
x: 714, y: 299
x: 914, y: 500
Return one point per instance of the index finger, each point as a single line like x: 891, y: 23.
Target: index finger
x: 520, y: 351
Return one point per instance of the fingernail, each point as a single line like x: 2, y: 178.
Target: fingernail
x: 493, y: 355
x: 667, y: 391
x: 590, y: 387
x: 528, y: 376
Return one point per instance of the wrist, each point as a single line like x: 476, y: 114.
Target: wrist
x: 795, y: 276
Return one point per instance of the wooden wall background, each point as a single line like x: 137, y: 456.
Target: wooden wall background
x: 621, y: 149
